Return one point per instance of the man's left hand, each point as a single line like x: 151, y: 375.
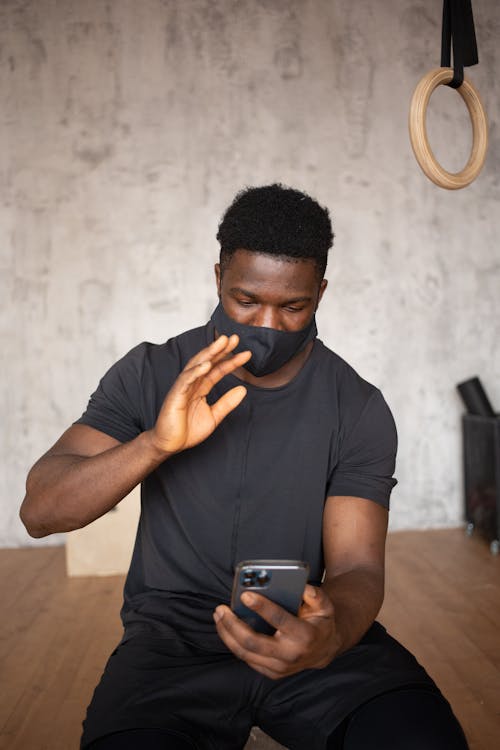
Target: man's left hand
x: 307, y: 641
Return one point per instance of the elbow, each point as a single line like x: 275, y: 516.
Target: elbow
x: 39, y: 522
x: 37, y: 532
x: 32, y: 522
x: 36, y: 511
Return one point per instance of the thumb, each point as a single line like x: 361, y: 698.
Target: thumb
x: 316, y: 602
x: 228, y: 402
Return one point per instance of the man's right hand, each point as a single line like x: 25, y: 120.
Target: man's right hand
x: 87, y: 472
x: 186, y: 418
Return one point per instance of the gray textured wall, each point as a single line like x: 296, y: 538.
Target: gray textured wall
x: 125, y: 129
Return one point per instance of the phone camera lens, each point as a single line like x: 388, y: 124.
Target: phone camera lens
x: 263, y: 577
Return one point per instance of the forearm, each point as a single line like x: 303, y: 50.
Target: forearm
x: 357, y: 596
x: 86, y: 472
x: 65, y: 492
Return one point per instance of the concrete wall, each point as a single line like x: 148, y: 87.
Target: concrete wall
x: 125, y: 130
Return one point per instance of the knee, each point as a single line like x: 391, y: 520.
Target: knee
x: 409, y: 719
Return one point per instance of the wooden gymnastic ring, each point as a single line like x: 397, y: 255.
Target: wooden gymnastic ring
x: 418, y: 131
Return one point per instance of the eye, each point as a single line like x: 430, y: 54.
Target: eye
x: 291, y: 309
x: 245, y: 303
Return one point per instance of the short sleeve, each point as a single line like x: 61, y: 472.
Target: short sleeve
x: 367, y: 455
x: 115, y: 407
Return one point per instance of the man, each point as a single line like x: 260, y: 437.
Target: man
x: 251, y: 440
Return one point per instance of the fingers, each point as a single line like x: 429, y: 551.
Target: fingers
x: 261, y: 652
x: 219, y: 348
x: 316, y: 603
x: 221, y: 369
x: 189, y: 376
x: 299, y: 642
x: 271, y: 612
x: 212, y: 364
x: 227, y: 403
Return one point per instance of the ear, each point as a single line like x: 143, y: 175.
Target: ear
x: 322, y: 287
x: 218, y: 278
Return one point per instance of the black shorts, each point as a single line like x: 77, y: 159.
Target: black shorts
x: 215, y: 699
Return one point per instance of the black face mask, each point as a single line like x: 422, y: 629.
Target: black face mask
x: 270, y: 348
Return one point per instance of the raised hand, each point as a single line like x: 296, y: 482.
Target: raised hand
x: 186, y: 418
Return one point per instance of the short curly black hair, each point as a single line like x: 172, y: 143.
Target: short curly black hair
x: 276, y: 220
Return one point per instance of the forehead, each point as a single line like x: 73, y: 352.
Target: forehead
x: 261, y: 271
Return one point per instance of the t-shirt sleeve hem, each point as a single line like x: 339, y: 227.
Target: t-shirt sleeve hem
x: 108, y: 429
x: 350, y: 491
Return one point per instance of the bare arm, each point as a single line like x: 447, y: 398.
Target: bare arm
x: 86, y: 473
x: 83, y: 476
x: 354, y: 534
x: 333, y: 617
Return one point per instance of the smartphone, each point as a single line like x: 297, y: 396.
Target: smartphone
x: 282, y: 581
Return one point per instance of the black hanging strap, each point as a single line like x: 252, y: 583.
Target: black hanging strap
x: 458, y: 25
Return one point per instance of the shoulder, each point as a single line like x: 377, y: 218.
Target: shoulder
x: 130, y: 394
x: 343, y: 378
x: 170, y: 356
x: 358, y: 401
x: 366, y: 440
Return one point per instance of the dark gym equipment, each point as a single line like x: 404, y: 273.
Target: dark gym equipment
x: 481, y: 455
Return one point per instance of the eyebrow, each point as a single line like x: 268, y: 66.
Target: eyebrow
x: 252, y: 295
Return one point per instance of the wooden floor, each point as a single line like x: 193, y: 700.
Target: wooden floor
x: 442, y: 601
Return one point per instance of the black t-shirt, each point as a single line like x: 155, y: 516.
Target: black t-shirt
x: 255, y: 488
